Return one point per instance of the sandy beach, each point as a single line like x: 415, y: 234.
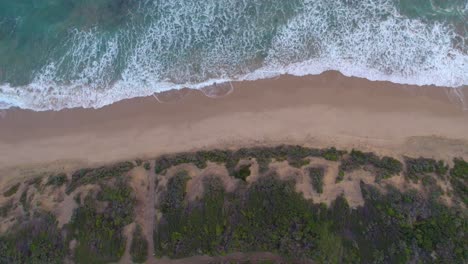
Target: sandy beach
x: 319, y: 111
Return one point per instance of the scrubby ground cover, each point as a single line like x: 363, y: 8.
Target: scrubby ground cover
x: 95, y: 227
x: 264, y: 213
x: 139, y: 246
x: 264, y: 155
x: 35, y: 240
x: 99, y: 231
x: 383, y: 168
x: 395, y: 227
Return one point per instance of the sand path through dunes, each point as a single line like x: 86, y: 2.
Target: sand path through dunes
x: 318, y: 111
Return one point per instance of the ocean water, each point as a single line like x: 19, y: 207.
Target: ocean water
x: 58, y: 54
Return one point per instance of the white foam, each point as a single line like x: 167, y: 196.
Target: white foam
x: 198, y: 44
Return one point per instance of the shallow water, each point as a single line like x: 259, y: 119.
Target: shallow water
x: 69, y: 53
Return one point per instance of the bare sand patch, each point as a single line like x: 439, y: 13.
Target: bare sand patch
x: 316, y: 111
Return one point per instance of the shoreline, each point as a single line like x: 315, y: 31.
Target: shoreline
x: 317, y: 111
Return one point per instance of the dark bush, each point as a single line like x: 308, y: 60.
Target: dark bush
x: 460, y: 169
x: 441, y: 168
x: 4, y: 209
x: 36, y: 182
x: 12, y: 190
x: 294, y: 154
x: 417, y: 168
x: 340, y: 176
x: 174, y: 196
x: 92, y: 176
x: 357, y: 159
x: 458, y: 179
x: 387, y: 167
x: 316, y: 176
x: 298, y: 163
x: 162, y: 164
x: 24, y: 200
x: 384, y: 167
x: 139, y: 246
x: 332, y: 154
x: 196, y: 228
x: 37, y: 240
x: 274, y: 217
x: 99, y: 232
x: 57, y: 180
x: 243, y: 172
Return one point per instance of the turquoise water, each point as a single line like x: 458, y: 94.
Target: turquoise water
x: 58, y: 54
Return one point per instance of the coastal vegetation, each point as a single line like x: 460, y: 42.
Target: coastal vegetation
x: 316, y: 177
x: 139, y: 247
x: 57, y: 180
x: 243, y: 172
x: 417, y: 168
x: 459, y: 178
x: 395, y: 227
x: 263, y: 155
x: 35, y: 240
x: 102, y: 238
x: 383, y: 168
x: 91, y: 176
x: 12, y: 190
x: 422, y: 220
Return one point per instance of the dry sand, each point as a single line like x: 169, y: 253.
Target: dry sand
x: 318, y: 111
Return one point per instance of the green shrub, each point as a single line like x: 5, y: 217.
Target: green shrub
x: 340, y: 176
x: 12, y: 190
x: 5, y: 209
x: 263, y: 155
x: 57, y: 180
x: 316, y: 176
x: 243, y: 172
x: 139, y: 246
x: 428, y: 181
x: 174, y: 196
x: 387, y: 167
x: 383, y: 168
x: 162, y: 164
x: 460, y: 169
x: 299, y: 163
x: 34, y: 241
x: 99, y: 232
x: 357, y: 159
x: 332, y: 154
x: 24, y: 200
x: 441, y: 168
x: 147, y: 166
x: 458, y: 179
x: 192, y: 229
x: 199, y: 158
x: 274, y: 217
x: 417, y: 168
x: 92, y: 176
x: 36, y: 182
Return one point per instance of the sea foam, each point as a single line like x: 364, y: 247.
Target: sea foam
x: 194, y: 44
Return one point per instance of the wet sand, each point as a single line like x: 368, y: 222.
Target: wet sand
x: 318, y: 111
